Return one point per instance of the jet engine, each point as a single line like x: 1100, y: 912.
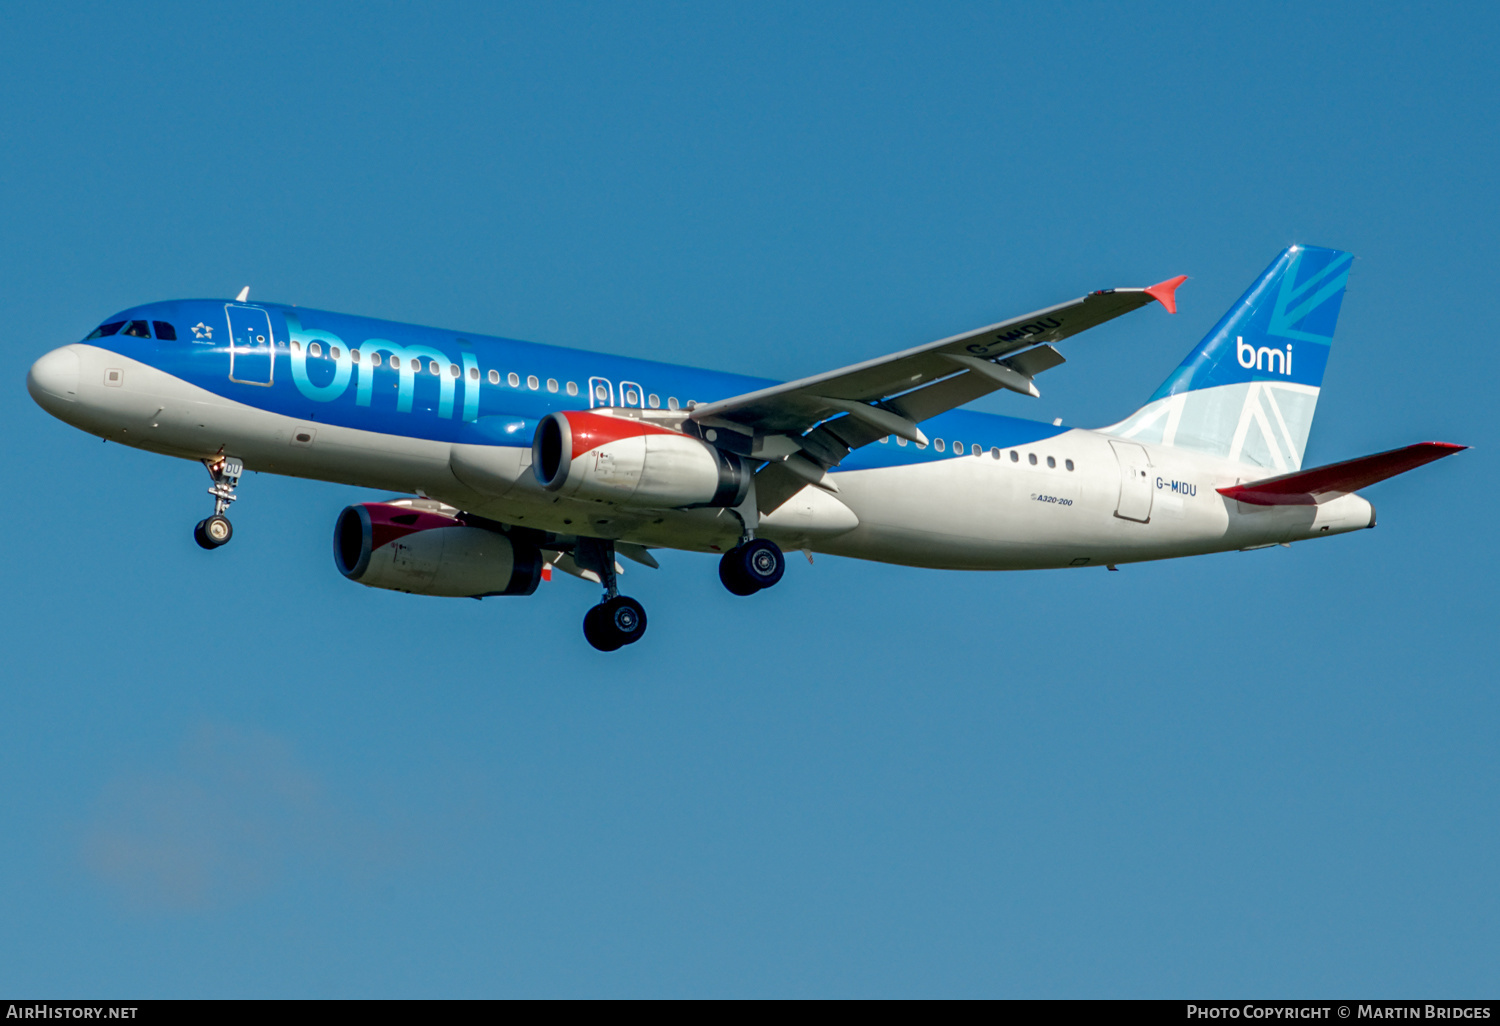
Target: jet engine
x: 423, y: 548
x: 631, y: 462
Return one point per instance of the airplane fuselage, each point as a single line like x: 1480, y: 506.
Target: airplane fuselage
x: 452, y: 416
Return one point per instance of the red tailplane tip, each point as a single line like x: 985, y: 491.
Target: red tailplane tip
x: 1166, y: 292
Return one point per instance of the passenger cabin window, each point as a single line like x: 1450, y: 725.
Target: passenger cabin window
x: 1051, y: 463
x: 494, y: 377
x: 572, y: 388
x: 1015, y: 457
x: 374, y: 357
x: 314, y: 349
x: 137, y: 329
x: 995, y: 453
x: 165, y: 331
x: 333, y: 351
x: 938, y: 445
x: 473, y: 373
x: 1031, y: 458
x: 354, y: 355
x: 901, y: 442
x: 532, y: 382
x: 416, y: 365
x: 432, y: 367
x: 977, y: 450
x: 514, y: 379
x: 653, y: 400
x: 1068, y: 464
x: 105, y: 330
x: 552, y: 384
x: 671, y: 402
x: 601, y: 393
x: 453, y: 370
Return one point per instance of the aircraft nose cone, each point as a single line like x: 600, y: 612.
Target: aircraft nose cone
x: 54, y: 378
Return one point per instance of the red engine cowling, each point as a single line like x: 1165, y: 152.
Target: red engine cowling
x: 399, y: 546
x: 633, y: 463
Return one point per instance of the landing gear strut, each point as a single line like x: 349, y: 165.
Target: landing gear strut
x: 216, y: 530
x: 618, y: 620
x: 752, y: 566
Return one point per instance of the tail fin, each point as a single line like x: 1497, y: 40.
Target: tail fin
x: 1248, y: 391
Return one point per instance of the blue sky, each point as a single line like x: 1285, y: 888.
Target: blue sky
x: 1255, y: 773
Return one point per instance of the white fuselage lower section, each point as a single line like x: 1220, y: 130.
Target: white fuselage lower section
x: 1124, y: 501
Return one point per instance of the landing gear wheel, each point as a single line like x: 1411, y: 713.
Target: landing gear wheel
x: 614, y: 623
x: 213, y: 532
x: 763, y: 562
x: 627, y: 618
x: 752, y: 566
x: 597, y: 631
x: 732, y: 576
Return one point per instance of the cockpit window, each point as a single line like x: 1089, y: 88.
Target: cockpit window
x: 138, y: 329
x: 165, y: 331
x: 106, y: 329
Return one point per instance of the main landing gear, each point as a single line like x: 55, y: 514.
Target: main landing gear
x: 752, y: 566
x: 615, y: 623
x: 216, y: 530
x: 618, y: 620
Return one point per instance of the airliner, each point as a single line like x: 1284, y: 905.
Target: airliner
x: 511, y: 460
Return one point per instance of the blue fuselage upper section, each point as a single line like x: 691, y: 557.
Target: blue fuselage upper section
x: 403, y: 379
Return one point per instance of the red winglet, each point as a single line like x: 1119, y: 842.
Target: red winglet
x: 1166, y: 292
x: 1319, y: 484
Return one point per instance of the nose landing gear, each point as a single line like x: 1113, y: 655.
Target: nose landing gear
x: 755, y: 565
x: 216, y: 530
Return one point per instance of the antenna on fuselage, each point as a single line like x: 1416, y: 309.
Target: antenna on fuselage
x: 244, y: 295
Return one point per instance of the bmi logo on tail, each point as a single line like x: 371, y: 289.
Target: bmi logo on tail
x: 1264, y: 358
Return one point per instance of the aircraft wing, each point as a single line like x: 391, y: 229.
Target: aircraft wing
x: 823, y: 417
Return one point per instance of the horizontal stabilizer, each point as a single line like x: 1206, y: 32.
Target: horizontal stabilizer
x: 1322, y: 484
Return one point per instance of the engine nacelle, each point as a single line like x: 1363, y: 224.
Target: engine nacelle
x: 631, y: 462
x: 429, y: 551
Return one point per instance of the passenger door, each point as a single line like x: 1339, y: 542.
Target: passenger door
x: 1135, y: 481
x: 252, y: 359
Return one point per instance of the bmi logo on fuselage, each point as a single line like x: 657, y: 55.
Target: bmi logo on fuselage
x: 1265, y: 358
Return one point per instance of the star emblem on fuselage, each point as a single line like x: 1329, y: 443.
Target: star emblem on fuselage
x: 201, y: 330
